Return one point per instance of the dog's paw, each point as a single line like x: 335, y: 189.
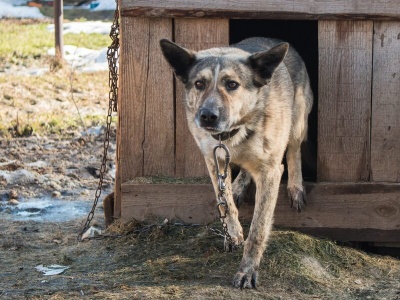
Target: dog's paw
x: 245, y: 280
x: 297, y: 197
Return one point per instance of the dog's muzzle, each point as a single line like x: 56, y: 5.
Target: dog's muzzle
x: 209, y: 117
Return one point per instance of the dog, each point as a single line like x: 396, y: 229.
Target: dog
x: 255, y: 96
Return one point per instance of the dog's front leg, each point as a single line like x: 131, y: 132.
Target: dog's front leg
x: 267, y: 184
x: 232, y: 214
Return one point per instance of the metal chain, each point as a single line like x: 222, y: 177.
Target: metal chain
x: 222, y: 204
x: 112, y: 56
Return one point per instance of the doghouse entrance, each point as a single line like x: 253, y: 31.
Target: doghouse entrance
x: 303, y: 35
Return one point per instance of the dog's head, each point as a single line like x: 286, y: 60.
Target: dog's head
x: 222, y: 83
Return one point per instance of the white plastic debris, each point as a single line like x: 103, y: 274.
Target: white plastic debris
x: 91, y: 232
x: 51, y: 270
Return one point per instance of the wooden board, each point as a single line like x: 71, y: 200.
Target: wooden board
x: 358, y: 212
x: 187, y: 202
x: 159, y: 142
x: 385, y: 131
x: 194, y: 34
x: 344, y: 108
x: 146, y: 131
x: 272, y: 9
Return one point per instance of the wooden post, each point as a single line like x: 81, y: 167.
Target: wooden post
x: 58, y: 25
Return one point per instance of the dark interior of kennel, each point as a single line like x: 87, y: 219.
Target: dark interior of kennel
x: 303, y: 36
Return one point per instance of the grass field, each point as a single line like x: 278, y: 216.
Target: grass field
x: 57, y: 101
x: 24, y: 43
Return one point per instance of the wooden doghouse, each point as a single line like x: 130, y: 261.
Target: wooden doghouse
x: 352, y: 52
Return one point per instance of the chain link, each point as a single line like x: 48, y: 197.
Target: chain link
x: 112, y: 56
x: 222, y: 204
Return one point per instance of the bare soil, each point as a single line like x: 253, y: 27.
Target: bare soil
x: 136, y: 261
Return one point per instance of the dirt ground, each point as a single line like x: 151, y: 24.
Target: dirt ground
x: 175, y: 262
x: 59, y: 159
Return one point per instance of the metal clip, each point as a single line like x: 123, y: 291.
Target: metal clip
x: 222, y: 202
x: 221, y: 183
x: 227, y: 160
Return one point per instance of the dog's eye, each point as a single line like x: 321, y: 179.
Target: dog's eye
x: 232, y: 85
x: 200, y: 85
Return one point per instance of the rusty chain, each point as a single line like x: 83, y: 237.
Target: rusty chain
x: 112, y: 57
x: 222, y: 204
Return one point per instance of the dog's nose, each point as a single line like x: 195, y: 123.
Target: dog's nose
x: 208, y: 117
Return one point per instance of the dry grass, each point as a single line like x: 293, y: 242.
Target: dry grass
x: 169, y: 258
x: 46, y: 104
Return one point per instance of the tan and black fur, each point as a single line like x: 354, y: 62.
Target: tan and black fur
x: 257, y: 91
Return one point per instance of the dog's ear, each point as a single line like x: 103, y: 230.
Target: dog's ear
x: 264, y: 63
x: 179, y: 58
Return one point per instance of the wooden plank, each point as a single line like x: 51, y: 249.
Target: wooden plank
x: 192, y: 203
x: 131, y: 107
x: 385, y: 131
x: 159, y: 140
x: 146, y: 145
x: 194, y: 34
x: 358, y: 212
x: 344, y: 107
x: 272, y: 9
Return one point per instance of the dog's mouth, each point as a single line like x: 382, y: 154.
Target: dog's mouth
x: 211, y: 129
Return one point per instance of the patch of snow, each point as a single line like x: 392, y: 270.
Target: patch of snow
x: 95, y: 131
x: 16, y: 2
x: 86, y: 27
x: 36, y: 72
x: 37, y: 164
x: 18, y: 177
x: 7, y: 10
x: 46, y: 210
x: 95, y: 67
x: 84, y: 59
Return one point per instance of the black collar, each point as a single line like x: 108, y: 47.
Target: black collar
x: 225, y: 135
